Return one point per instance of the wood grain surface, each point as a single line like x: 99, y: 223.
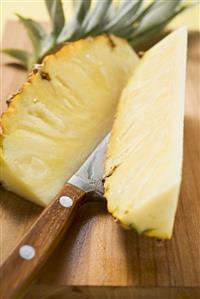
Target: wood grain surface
x: 42, y: 238
x: 98, y: 258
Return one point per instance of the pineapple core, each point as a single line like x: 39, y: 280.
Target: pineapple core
x: 60, y: 115
x: 144, y: 159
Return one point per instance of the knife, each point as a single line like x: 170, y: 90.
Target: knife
x: 30, y: 254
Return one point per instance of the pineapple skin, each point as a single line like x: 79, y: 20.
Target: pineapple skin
x: 144, y: 158
x: 60, y: 115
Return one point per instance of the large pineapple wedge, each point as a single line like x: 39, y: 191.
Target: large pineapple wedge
x: 144, y: 160
x: 61, y: 114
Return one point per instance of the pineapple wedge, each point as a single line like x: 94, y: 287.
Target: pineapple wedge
x: 144, y: 159
x: 60, y: 115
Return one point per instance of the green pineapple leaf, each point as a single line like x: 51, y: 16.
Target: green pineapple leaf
x: 56, y: 14
x: 95, y: 17
x: 139, y: 38
x: 26, y: 59
x: 125, y: 15
x: 81, y: 7
x: 36, y: 34
x: 158, y: 13
x: 72, y: 29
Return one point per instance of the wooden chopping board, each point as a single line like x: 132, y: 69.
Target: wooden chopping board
x: 98, y: 258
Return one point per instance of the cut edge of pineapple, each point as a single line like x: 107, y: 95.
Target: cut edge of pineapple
x: 150, y: 231
x: 151, y: 224
x: 111, y: 43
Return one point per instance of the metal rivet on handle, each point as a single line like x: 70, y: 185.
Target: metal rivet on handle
x: 27, y: 252
x: 66, y: 201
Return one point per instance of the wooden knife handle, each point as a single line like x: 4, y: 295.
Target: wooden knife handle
x: 18, y: 271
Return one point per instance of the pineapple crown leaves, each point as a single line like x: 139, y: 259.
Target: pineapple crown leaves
x: 128, y: 19
x: 57, y: 17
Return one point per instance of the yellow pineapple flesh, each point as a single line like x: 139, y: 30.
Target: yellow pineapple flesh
x: 60, y: 115
x: 144, y: 159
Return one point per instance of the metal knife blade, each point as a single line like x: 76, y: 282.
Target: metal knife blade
x: 90, y: 174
